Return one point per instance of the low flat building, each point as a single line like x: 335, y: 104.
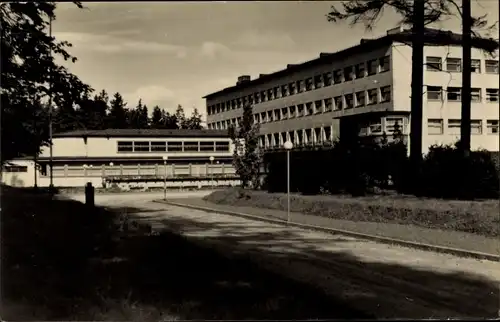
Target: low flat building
x: 129, y: 157
x: 365, y: 90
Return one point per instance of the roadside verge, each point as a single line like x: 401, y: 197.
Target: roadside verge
x: 393, y: 241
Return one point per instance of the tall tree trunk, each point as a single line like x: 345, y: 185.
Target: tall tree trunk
x: 465, y: 128
x: 417, y: 83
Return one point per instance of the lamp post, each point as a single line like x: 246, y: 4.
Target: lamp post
x: 288, y: 146
x: 212, y: 171
x: 165, y: 158
x: 51, y: 159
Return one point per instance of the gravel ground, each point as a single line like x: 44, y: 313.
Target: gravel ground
x: 461, y: 240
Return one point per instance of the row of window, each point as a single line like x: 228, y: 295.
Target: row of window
x: 319, y: 135
x: 436, y: 126
x: 338, y: 76
x: 14, y: 168
x: 341, y: 102
x: 298, y: 138
x: 455, y: 65
x: 173, y: 146
x: 454, y: 94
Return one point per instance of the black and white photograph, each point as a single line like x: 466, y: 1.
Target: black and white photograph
x: 249, y: 160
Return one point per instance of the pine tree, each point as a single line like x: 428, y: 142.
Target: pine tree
x: 143, y: 117
x: 157, y: 118
x: 180, y: 117
x: 169, y: 121
x: 194, y: 122
x: 117, y: 118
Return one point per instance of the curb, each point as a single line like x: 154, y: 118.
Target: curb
x: 386, y: 240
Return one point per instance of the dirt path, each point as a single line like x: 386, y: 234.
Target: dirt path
x: 389, y: 281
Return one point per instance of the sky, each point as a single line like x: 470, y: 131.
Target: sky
x: 171, y: 53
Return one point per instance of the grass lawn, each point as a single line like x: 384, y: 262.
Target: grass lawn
x: 63, y: 261
x: 476, y: 217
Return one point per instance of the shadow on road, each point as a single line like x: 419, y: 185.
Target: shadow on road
x: 64, y: 261
x: 387, y: 289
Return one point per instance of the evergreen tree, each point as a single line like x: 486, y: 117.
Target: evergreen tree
x: 169, y: 121
x: 180, y: 117
x: 117, y: 118
x: 156, y: 118
x: 246, y: 157
x: 100, y: 110
x: 143, y: 118
x: 194, y: 122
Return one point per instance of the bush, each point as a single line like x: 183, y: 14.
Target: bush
x: 447, y: 173
x: 356, y: 167
x: 362, y: 167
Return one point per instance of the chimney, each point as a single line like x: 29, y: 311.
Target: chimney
x: 243, y: 79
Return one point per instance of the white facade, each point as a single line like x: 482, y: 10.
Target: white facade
x: 373, y: 85
x: 446, y: 109
x: 78, y: 160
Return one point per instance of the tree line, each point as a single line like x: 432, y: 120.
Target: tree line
x: 101, y: 112
x: 33, y: 80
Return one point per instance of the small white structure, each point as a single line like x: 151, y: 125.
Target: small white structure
x: 128, y: 158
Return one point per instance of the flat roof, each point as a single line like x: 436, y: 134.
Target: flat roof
x: 140, y: 133
x: 434, y: 37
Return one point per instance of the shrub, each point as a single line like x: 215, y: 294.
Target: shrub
x: 354, y: 166
x: 447, y: 173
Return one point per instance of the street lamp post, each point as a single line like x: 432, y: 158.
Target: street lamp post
x: 165, y: 158
x: 111, y: 164
x: 288, y: 146
x: 212, y: 171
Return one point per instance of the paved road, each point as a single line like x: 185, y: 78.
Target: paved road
x: 390, y: 281
x: 130, y: 197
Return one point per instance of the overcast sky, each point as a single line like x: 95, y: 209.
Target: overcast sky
x: 175, y: 53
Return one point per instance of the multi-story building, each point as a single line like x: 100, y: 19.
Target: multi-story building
x: 366, y: 88
x: 129, y: 157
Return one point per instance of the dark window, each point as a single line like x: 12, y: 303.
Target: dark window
x: 348, y: 73
x: 300, y: 110
x: 318, y: 81
x: 270, y: 94
x: 337, y: 76
x: 284, y: 90
x: 385, y: 94
x: 385, y: 64
x: 15, y: 168
x: 222, y: 146
x: 191, y: 146
x: 372, y: 67
x: 327, y: 78
x: 349, y: 100
x: 328, y: 104
x: 207, y: 146
x: 125, y: 146
x: 158, y: 146
x: 309, y: 84
x: 174, y: 146
x: 301, y: 86
x: 141, y: 146
x: 360, y: 70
